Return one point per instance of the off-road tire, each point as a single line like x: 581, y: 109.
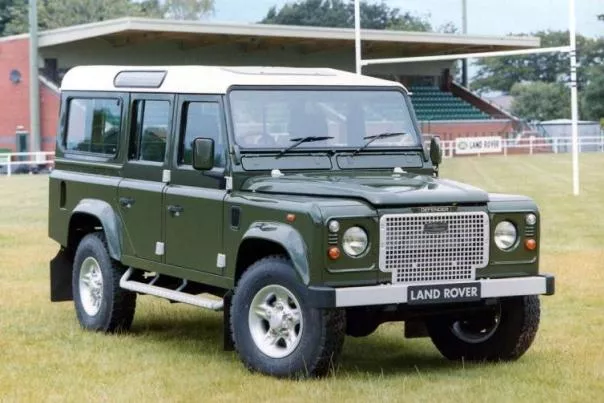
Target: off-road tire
x: 117, y: 306
x: 322, y: 336
x: 519, y: 321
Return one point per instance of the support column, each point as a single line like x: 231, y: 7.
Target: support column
x: 34, y: 83
x: 574, y: 103
x: 464, y: 30
x: 357, y: 35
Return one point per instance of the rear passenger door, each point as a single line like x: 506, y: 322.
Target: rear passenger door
x: 145, y: 174
x: 193, y: 201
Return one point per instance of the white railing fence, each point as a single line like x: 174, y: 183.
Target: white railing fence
x: 530, y: 146
x: 11, y: 163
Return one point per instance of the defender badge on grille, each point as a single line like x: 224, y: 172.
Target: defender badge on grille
x: 434, y: 209
x: 436, y: 227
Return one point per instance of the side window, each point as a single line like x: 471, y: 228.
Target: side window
x: 93, y: 125
x: 200, y: 119
x: 150, y: 130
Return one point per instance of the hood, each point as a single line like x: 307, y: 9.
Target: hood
x: 403, y: 189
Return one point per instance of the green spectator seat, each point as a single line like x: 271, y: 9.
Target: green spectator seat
x: 430, y: 103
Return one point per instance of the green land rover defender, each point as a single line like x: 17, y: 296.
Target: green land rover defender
x: 301, y: 203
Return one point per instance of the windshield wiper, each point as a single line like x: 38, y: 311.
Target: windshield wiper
x: 377, y: 137
x: 300, y: 140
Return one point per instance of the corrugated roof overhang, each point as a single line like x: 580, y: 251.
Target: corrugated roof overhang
x: 376, y: 43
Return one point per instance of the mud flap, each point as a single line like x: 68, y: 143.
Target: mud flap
x: 228, y: 345
x: 61, y: 268
x: 415, y: 329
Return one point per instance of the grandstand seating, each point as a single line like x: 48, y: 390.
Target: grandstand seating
x: 430, y: 103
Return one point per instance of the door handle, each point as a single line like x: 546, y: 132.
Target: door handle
x: 175, y: 210
x: 126, y: 202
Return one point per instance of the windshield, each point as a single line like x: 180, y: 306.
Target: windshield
x: 346, y: 118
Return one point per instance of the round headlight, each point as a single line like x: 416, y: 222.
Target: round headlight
x: 531, y: 219
x: 354, y: 241
x: 505, y: 235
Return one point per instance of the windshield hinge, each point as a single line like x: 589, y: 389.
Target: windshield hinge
x: 228, y: 185
x: 276, y: 173
x: 237, y: 153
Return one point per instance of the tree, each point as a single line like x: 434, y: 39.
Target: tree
x: 448, y: 28
x: 534, y: 71
x: 540, y: 101
x: 188, y: 9
x: 5, y: 7
x: 62, y: 13
x: 593, y: 96
x: 151, y: 8
x: 340, y: 14
x: 15, y: 17
x: 501, y: 73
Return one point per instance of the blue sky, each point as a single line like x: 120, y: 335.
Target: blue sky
x: 485, y: 17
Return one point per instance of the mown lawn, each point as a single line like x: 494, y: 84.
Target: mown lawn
x: 174, y: 351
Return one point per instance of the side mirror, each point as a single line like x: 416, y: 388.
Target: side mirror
x: 203, y: 154
x: 436, y: 152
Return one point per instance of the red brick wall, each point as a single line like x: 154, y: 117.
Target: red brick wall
x: 452, y: 130
x: 50, y: 102
x: 14, y: 98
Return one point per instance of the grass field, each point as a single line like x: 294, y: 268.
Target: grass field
x: 174, y: 351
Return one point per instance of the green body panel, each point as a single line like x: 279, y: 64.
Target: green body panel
x: 193, y: 234
x: 266, y: 218
x: 348, y: 271
x: 195, y: 216
x: 286, y: 236
x: 519, y: 262
x: 142, y: 218
x: 110, y: 222
x: 84, y: 193
x: 383, y: 190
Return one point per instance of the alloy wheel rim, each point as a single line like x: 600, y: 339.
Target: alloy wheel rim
x: 275, y: 321
x: 91, y: 286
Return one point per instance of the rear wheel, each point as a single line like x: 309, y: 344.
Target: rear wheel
x: 100, y: 303
x: 502, y: 334
x: 275, y: 330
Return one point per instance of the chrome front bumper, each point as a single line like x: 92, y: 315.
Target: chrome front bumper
x: 489, y: 288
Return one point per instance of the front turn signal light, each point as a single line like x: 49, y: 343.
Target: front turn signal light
x: 530, y: 244
x: 334, y: 253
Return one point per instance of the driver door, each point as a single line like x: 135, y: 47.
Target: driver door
x: 193, y: 201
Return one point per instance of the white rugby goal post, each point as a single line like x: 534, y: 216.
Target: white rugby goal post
x: 571, y: 50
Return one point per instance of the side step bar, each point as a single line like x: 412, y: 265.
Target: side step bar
x: 173, y: 295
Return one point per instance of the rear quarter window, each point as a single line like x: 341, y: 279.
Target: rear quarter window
x: 93, y: 125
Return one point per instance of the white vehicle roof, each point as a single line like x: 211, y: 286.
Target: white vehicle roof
x: 207, y: 79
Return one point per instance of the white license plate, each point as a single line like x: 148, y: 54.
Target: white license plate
x: 443, y: 293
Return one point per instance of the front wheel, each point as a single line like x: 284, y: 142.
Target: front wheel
x: 503, y: 333
x: 275, y: 330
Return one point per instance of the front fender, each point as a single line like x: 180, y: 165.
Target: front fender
x: 289, y: 238
x: 110, y: 221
